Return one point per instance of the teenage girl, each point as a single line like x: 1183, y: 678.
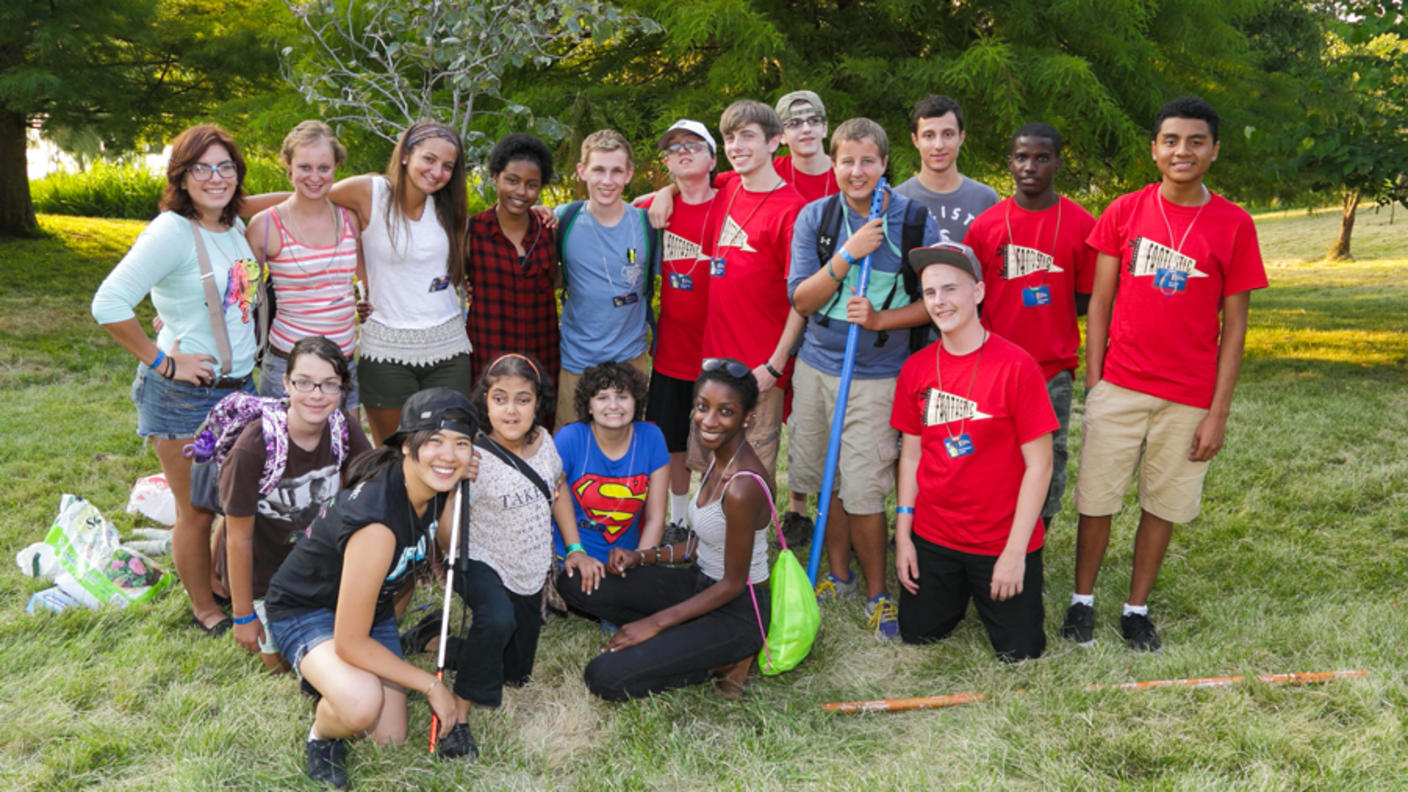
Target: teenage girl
x: 330, y: 605
x: 509, y: 543
x: 681, y: 624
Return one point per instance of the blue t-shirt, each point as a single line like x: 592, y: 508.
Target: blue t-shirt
x: 824, y: 347
x: 604, y: 308
x: 608, y: 495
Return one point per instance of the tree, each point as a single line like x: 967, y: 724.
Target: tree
x: 383, y: 64
x: 122, y: 68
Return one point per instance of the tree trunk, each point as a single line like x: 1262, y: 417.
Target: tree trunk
x: 1351, y: 204
x: 16, y: 210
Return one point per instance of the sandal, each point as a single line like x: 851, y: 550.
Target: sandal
x: 215, y: 630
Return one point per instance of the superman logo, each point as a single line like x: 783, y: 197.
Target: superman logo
x: 611, y: 503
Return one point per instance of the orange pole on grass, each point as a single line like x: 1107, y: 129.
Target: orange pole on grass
x: 958, y: 699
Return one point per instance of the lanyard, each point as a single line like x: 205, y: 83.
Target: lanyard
x: 1055, y: 239
x: 968, y: 397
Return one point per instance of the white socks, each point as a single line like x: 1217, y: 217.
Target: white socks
x: 1142, y: 610
x: 1083, y: 599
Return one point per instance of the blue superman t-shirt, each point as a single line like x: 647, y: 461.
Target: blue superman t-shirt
x: 608, y: 495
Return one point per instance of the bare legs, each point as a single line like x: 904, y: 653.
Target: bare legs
x: 1150, y: 543
x: 190, y: 537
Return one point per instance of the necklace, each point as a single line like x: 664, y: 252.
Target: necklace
x: 703, y: 229
x: 630, y: 466
x: 968, y: 397
x: 1159, y: 199
x: 297, y: 235
x: 728, y: 211
x: 1055, y: 239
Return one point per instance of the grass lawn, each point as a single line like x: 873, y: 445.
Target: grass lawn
x: 1298, y: 563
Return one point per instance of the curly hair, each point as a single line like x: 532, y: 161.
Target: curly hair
x: 186, y: 150
x: 609, y: 376
x: 526, y: 366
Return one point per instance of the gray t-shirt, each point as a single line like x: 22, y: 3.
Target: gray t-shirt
x: 955, y: 210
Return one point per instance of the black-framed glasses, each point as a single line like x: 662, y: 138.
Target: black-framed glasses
x: 331, y: 387
x: 202, y: 172
x: 685, y: 147
x: 733, y: 368
x: 811, y: 120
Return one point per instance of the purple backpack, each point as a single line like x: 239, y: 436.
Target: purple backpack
x: 229, y: 417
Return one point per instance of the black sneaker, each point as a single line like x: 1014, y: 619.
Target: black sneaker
x: 1079, y: 625
x: 675, y: 532
x: 797, y: 529
x: 1139, y: 632
x: 327, y: 762
x: 458, y: 742
x: 414, y: 640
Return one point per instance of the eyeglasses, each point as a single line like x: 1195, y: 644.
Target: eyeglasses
x: 730, y: 366
x: 331, y: 387
x: 202, y: 172
x: 812, y: 120
x: 685, y: 147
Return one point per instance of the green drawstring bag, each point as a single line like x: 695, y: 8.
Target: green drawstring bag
x: 795, y: 615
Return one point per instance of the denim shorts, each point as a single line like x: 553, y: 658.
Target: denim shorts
x: 297, y: 636
x: 271, y: 380
x: 168, y: 409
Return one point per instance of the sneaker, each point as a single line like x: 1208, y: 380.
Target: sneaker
x: 832, y: 587
x: 1079, y: 625
x: 797, y: 529
x: 415, y: 639
x: 327, y: 762
x: 883, y: 617
x: 458, y: 742
x: 1139, y: 632
x: 675, y: 532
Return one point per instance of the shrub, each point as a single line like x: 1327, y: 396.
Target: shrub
x: 128, y: 191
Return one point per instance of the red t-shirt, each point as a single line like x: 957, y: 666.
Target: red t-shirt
x: 752, y: 240
x: 808, y: 186
x: 1033, y: 265
x: 966, y: 503
x: 684, y: 288
x: 1173, y: 275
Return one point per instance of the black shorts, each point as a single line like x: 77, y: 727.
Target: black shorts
x: 669, y: 404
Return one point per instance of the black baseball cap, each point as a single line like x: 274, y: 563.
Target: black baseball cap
x: 435, y: 408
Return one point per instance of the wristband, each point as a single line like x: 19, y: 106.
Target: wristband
x: 156, y: 364
x: 846, y: 257
x: 767, y: 365
x: 575, y: 547
x: 832, y: 273
x: 245, y: 619
x: 904, y: 510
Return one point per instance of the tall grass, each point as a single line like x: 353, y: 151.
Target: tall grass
x: 1297, y: 563
x: 128, y: 191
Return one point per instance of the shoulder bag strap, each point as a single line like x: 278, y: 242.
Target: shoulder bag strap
x: 212, y: 302
x: 511, y: 459
x: 757, y: 613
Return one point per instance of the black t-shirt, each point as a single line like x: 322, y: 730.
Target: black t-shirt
x: 309, y: 578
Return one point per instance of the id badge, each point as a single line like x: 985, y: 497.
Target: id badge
x: 681, y: 281
x: 625, y: 299
x: 960, y: 446
x: 1036, y: 295
x: 716, y: 266
x: 440, y: 284
x: 1170, y: 280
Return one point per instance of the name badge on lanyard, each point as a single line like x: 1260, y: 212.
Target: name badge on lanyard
x: 625, y: 299
x: 959, y: 446
x: 681, y: 281
x: 440, y: 284
x: 1034, y: 296
x: 716, y: 266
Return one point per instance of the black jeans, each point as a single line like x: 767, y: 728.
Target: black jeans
x: 681, y: 655
x: 949, y: 578
x: 502, y: 639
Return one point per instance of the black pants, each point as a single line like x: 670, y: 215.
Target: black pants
x: 681, y: 655
x: 948, y: 578
x: 502, y: 639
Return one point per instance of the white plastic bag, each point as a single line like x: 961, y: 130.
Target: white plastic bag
x: 152, y: 498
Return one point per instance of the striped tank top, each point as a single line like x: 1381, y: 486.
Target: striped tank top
x: 313, y: 291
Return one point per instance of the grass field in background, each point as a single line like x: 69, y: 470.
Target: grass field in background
x: 1297, y: 563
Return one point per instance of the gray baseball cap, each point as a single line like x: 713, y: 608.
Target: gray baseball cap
x: 954, y: 254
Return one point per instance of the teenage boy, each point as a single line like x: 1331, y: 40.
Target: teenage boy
x: 805, y: 166
x: 1039, y: 271
x: 832, y: 236
x: 690, y: 156
x: 975, y: 462
x: 954, y: 199
x: 1159, y: 374
x: 749, y: 317
x: 606, y: 247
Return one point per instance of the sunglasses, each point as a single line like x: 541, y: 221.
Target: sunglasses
x: 732, y: 367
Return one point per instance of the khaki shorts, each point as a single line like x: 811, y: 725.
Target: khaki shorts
x: 865, y: 471
x: 567, y: 388
x: 1124, y: 431
x: 765, y: 434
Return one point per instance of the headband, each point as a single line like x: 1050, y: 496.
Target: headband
x: 523, y: 358
x: 436, y: 130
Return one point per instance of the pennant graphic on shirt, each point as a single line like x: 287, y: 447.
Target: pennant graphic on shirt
x: 942, y: 408
x: 733, y: 235
x: 1019, y: 261
x: 1149, y: 257
x: 611, y: 503
x: 677, y: 248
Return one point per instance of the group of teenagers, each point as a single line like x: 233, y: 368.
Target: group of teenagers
x: 562, y: 448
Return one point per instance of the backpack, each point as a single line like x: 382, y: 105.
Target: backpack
x: 222, y: 427
x: 916, y: 216
x: 652, y: 249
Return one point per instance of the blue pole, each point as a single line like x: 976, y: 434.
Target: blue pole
x: 843, y: 394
